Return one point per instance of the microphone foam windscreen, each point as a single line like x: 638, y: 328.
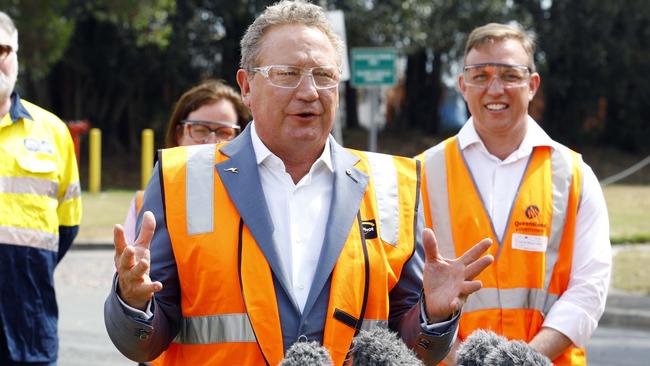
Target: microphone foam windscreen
x: 477, y: 346
x: 307, y: 353
x: 516, y: 353
x: 381, y: 347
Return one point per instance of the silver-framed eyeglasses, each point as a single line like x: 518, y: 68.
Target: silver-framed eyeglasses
x: 200, y: 131
x: 510, y: 76
x: 289, y: 77
x: 5, y: 51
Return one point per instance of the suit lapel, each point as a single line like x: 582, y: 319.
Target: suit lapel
x: 240, y: 176
x: 349, y: 187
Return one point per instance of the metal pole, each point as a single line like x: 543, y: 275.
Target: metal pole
x: 374, y: 95
x: 146, y: 157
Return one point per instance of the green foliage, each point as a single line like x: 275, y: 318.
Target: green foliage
x: 43, y: 33
x: 147, y: 19
x: 47, y: 26
x: 122, y: 63
x: 591, y: 56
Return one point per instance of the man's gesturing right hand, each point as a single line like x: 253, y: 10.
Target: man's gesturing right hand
x: 132, y: 264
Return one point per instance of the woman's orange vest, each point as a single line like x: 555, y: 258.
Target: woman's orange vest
x: 228, y: 301
x: 533, y: 262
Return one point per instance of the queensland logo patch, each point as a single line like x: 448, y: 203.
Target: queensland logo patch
x: 532, y: 212
x: 369, y: 228
x: 535, y: 223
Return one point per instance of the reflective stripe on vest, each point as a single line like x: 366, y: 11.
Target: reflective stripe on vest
x: 200, y: 188
x: 514, y: 298
x: 215, y: 329
x: 384, y: 173
x: 369, y: 324
x: 561, y: 163
x: 436, y: 171
x: 232, y: 328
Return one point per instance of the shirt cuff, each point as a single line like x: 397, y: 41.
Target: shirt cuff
x: 435, y: 329
x: 136, y: 313
x: 572, y: 321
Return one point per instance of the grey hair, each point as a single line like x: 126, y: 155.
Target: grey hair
x: 282, y: 13
x: 497, y: 32
x: 7, y: 25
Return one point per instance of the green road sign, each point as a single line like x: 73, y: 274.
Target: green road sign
x: 373, y: 67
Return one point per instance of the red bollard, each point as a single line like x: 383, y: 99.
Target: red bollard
x: 77, y: 128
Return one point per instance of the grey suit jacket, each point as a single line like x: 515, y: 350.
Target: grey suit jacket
x: 142, y: 340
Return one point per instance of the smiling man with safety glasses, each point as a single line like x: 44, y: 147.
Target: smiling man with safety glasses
x: 503, y: 177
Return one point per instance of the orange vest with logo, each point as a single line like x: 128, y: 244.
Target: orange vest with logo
x: 228, y: 301
x: 532, y: 264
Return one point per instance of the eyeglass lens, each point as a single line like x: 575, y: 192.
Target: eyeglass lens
x: 202, y: 132
x: 291, y: 76
x: 509, y: 76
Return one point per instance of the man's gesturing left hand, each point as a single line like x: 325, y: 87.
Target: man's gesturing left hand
x: 448, y: 282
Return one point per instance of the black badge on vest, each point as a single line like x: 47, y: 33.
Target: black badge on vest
x: 369, y: 229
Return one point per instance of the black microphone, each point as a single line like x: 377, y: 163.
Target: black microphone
x: 306, y: 353
x: 485, y: 348
x: 381, y: 347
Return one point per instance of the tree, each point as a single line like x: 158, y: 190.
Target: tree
x: 591, y: 56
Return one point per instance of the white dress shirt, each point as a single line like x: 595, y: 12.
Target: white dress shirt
x: 298, y: 212
x: 577, y: 311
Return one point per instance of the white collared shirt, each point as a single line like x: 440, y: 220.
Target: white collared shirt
x: 299, y: 213
x: 577, y: 311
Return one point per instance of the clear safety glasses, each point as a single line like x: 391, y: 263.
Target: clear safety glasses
x: 510, y: 76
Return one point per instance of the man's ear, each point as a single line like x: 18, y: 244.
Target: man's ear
x: 462, y: 86
x: 244, y: 86
x: 533, y: 85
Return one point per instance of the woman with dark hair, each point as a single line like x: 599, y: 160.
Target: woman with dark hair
x: 210, y: 112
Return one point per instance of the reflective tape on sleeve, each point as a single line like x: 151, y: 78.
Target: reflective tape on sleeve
x: 200, y: 188
x: 73, y: 191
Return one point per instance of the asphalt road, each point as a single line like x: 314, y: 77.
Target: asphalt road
x: 83, y: 279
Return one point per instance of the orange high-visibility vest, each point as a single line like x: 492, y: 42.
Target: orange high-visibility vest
x: 228, y: 301
x: 532, y: 264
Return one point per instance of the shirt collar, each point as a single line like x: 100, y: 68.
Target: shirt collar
x: 17, y: 109
x: 535, y: 136
x: 262, y: 153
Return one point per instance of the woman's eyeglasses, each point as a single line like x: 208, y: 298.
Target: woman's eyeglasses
x: 200, y: 131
